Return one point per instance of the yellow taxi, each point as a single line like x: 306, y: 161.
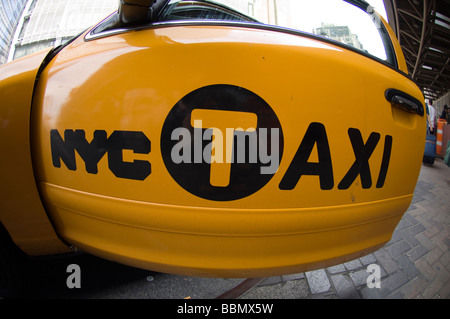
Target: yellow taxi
x: 223, y: 139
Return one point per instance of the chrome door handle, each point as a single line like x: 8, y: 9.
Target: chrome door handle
x: 404, y: 101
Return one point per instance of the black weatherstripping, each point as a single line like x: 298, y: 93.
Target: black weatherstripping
x: 363, y: 5
x: 404, y: 101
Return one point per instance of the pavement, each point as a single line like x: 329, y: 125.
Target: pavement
x: 414, y: 264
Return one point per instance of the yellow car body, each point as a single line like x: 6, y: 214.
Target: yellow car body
x: 95, y: 149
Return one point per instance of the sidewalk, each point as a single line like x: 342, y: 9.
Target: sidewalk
x: 414, y: 264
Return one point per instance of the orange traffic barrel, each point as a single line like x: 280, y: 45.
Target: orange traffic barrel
x: 440, y: 130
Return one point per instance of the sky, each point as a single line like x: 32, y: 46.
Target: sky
x: 306, y: 15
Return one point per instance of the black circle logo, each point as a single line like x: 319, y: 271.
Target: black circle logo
x: 222, y: 142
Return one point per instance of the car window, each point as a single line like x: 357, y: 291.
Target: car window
x: 203, y: 10
x: 336, y: 20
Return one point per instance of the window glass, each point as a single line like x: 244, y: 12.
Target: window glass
x: 336, y: 20
x: 204, y: 10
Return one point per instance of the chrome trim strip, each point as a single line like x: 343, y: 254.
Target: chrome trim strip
x: 260, y: 26
x: 93, y: 36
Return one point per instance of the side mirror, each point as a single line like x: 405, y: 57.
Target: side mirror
x: 130, y: 13
x: 133, y: 12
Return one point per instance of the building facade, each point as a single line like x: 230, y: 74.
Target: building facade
x: 10, y: 14
x: 28, y: 26
x: 339, y: 33
x: 48, y: 23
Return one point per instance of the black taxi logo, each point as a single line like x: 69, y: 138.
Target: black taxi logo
x: 222, y: 143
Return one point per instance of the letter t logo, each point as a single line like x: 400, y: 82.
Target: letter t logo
x: 222, y: 121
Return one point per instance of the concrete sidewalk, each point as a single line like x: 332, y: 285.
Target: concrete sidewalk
x: 414, y: 264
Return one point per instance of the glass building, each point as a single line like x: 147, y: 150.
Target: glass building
x: 339, y: 33
x: 28, y: 26
x: 10, y: 13
x: 46, y: 23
